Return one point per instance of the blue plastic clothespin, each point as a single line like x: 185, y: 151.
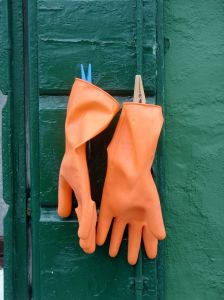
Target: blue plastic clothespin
x: 89, y: 73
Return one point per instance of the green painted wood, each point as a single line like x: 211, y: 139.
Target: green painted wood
x: 4, y: 46
x: 33, y: 120
x: 60, y: 39
x: 52, y: 42
x: 7, y: 170
x: 67, y: 273
x: 71, y: 32
x: 14, y: 152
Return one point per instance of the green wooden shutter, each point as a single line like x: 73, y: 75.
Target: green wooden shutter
x: 120, y: 38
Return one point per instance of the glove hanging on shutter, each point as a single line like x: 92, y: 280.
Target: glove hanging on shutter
x: 89, y: 111
x: 130, y: 195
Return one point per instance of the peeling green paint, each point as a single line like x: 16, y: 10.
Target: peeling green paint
x: 194, y: 147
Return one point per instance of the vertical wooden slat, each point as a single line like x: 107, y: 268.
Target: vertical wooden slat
x: 159, y: 92
x: 34, y: 144
x: 4, y: 47
x: 14, y: 158
x: 139, y: 25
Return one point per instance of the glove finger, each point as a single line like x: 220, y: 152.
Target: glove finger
x: 156, y: 224
x: 155, y: 219
x: 116, y: 236
x: 89, y: 245
x: 134, y: 242
x: 150, y: 243
x: 64, y: 198
x: 85, y: 220
x: 103, y: 226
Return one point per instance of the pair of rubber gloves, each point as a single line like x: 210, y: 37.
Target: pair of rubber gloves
x: 130, y: 196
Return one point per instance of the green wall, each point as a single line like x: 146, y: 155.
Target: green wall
x: 194, y: 149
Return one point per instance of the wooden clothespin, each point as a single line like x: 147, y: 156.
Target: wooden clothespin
x: 139, y: 94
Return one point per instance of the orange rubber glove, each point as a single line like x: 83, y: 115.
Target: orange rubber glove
x: 89, y: 111
x: 130, y: 195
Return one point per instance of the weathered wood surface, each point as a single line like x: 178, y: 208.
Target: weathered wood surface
x: 68, y: 273
x: 101, y: 32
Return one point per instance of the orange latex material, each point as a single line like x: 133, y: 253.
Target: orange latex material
x: 130, y: 195
x: 89, y: 111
